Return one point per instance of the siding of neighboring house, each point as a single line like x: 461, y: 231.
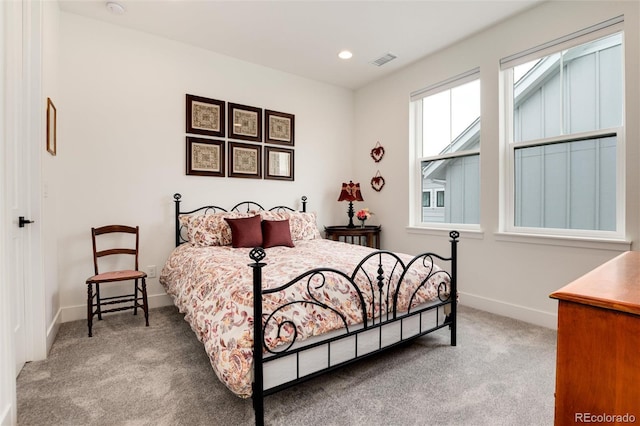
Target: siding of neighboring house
x: 462, y: 191
x: 555, y: 190
x: 458, y: 178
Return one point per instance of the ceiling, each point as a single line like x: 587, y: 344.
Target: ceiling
x: 303, y: 37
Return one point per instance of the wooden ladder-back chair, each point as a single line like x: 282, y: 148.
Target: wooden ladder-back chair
x: 136, y: 300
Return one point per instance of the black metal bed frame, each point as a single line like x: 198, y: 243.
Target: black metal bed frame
x: 247, y: 206
x: 386, y: 282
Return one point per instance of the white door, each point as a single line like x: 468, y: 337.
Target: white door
x: 20, y: 127
x: 16, y: 154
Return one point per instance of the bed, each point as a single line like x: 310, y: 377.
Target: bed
x: 324, y: 304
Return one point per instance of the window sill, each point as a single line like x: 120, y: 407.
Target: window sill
x: 466, y: 231
x: 565, y: 241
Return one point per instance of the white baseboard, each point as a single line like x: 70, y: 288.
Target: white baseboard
x: 498, y: 307
x: 52, y: 332
x: 74, y: 313
x: 5, y: 416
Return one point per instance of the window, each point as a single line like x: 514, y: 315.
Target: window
x: 426, y: 199
x: 446, y: 142
x: 564, y: 138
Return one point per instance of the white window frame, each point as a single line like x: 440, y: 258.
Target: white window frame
x: 415, y: 141
x: 507, y: 219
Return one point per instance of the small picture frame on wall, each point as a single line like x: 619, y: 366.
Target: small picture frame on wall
x: 245, y: 160
x: 279, y: 127
x: 205, y: 157
x: 52, y: 124
x: 245, y: 122
x: 205, y: 116
x: 278, y: 163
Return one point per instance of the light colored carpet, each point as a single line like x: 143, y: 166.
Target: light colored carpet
x: 501, y: 373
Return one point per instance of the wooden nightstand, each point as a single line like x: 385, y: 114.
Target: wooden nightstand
x: 368, y: 236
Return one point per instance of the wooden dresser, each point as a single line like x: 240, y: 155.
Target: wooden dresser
x: 598, y: 359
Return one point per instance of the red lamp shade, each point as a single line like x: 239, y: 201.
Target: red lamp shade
x: 350, y: 192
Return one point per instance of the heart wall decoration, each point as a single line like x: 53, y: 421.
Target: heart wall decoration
x: 377, y: 152
x: 377, y: 182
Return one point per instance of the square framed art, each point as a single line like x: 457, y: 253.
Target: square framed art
x: 205, y: 157
x: 245, y: 160
x: 245, y: 122
x: 278, y: 163
x: 205, y: 116
x: 279, y: 127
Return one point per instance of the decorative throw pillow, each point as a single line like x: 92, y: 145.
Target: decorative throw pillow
x: 276, y: 233
x: 211, y: 229
x: 274, y: 215
x: 303, y: 226
x: 245, y: 232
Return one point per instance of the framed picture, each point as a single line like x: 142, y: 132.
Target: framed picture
x: 245, y: 122
x: 278, y: 163
x: 279, y: 127
x: 205, y: 116
x: 52, y: 143
x: 205, y: 157
x: 245, y: 160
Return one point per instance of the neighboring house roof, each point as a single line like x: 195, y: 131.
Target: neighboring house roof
x: 548, y: 66
x: 468, y: 139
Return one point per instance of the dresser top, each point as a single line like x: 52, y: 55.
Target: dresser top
x: 613, y: 285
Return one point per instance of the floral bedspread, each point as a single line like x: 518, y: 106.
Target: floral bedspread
x: 212, y: 286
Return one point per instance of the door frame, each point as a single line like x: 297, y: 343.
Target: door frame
x: 34, y: 118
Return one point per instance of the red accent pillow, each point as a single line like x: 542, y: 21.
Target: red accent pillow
x: 276, y: 233
x: 245, y: 232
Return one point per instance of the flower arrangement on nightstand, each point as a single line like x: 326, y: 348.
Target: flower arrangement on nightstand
x: 363, y: 215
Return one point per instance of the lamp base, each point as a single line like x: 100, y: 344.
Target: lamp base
x: 350, y: 214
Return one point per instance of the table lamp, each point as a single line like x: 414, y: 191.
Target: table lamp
x: 350, y: 192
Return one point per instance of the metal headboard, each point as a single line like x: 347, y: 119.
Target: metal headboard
x: 243, y: 206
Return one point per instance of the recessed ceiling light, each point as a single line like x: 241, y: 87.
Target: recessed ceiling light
x: 345, y: 54
x: 115, y: 8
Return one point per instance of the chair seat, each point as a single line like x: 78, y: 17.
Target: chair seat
x: 116, y: 276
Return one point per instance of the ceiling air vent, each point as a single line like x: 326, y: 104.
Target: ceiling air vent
x: 387, y: 57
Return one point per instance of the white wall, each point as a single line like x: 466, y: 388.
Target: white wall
x: 510, y: 276
x: 121, y: 142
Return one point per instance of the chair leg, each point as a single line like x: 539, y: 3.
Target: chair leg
x: 89, y: 309
x: 145, y: 304
x: 135, y: 297
x: 98, y: 301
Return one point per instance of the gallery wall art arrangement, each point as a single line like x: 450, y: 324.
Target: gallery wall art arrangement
x: 234, y: 140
